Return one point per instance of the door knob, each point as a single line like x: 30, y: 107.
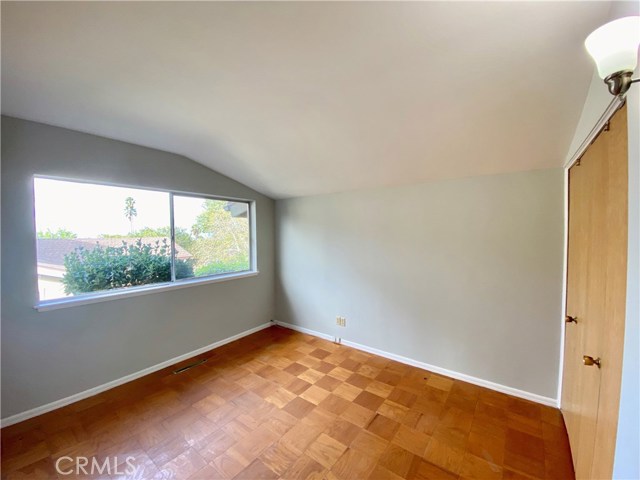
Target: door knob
x: 589, y: 361
x: 570, y: 319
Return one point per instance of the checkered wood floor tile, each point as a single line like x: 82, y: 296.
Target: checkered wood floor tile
x: 280, y: 404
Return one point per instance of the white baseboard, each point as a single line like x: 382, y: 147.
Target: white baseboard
x: 552, y: 402
x: 63, y: 402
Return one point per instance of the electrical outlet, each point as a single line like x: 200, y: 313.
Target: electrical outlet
x: 341, y: 321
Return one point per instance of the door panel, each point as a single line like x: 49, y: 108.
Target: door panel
x: 584, y: 273
x: 612, y: 327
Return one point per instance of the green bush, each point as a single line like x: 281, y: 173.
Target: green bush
x: 106, y: 268
x: 60, y: 233
x: 224, y: 266
x: 183, y: 238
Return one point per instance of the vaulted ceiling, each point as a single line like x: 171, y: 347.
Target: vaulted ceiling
x: 308, y: 98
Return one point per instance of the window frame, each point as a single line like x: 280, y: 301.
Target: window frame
x: 173, y: 284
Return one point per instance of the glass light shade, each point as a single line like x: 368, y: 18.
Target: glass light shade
x: 614, y: 46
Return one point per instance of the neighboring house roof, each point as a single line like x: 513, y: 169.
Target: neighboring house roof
x: 237, y: 209
x: 51, y: 251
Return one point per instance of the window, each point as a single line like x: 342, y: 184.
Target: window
x: 93, y: 239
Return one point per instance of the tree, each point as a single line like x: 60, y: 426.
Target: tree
x: 221, y: 240
x: 106, y: 268
x: 130, y: 211
x: 60, y: 233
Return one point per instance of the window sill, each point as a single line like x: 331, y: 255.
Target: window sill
x: 56, y: 304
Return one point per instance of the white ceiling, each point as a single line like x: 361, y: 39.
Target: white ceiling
x: 307, y: 98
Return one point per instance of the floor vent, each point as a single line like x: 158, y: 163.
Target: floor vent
x: 191, y: 365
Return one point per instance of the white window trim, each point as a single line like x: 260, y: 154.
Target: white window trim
x: 119, y: 294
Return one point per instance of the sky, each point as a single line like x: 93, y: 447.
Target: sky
x: 89, y: 210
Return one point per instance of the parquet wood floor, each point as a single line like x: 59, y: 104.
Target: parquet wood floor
x: 280, y: 404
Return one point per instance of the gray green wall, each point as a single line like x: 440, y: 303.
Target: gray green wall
x: 50, y: 355
x: 463, y: 274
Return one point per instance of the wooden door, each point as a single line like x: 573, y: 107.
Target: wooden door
x: 596, y: 292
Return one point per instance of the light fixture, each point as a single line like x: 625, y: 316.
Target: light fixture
x: 614, y: 47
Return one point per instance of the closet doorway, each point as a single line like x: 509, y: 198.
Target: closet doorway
x: 596, y: 296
